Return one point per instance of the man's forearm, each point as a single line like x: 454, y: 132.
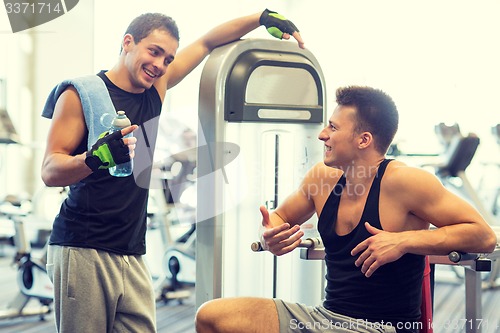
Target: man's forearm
x: 63, y: 170
x: 230, y: 31
x: 464, y: 237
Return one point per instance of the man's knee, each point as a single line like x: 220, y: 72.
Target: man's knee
x: 244, y: 314
x: 206, y: 316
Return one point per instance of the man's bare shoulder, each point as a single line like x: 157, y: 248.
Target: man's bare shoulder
x: 68, y: 105
x: 400, y: 176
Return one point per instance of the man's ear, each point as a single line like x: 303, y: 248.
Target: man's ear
x: 128, y: 41
x: 365, y: 140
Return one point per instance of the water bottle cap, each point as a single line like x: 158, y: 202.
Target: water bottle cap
x: 121, y: 120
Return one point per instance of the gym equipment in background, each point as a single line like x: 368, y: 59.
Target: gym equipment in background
x: 172, y: 207
x: 8, y: 133
x: 459, y: 150
x: 456, y: 158
x: 32, y: 278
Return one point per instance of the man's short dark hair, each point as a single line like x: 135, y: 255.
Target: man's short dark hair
x: 376, y: 113
x: 143, y: 25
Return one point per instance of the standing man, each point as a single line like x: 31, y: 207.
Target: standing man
x: 101, y: 282
x: 374, y: 216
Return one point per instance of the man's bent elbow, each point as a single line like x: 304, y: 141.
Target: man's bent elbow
x: 48, y: 179
x: 491, y: 241
x: 51, y: 178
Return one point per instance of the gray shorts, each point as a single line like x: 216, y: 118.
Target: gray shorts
x: 295, y: 317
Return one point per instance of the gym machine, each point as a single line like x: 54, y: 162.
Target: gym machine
x: 261, y: 107
x: 473, y: 264
x: 32, y: 278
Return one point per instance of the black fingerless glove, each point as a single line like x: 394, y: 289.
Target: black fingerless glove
x: 276, y: 24
x: 107, y: 152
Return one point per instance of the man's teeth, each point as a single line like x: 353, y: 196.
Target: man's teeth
x: 149, y: 73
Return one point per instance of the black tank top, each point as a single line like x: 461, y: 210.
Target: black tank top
x: 393, y: 293
x: 105, y: 212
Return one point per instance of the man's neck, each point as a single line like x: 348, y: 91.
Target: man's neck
x: 362, y: 172
x: 119, y: 77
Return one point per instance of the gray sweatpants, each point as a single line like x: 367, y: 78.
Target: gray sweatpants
x: 98, y: 291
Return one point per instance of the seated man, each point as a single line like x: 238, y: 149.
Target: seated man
x: 374, y: 217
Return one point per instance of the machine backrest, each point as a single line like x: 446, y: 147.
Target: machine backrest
x: 459, y: 155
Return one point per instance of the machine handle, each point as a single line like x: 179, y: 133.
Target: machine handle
x: 456, y: 256
x: 307, y: 243
x: 256, y: 247
x: 481, y: 264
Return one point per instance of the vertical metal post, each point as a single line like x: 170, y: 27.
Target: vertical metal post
x: 473, y: 313
x: 275, y: 205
